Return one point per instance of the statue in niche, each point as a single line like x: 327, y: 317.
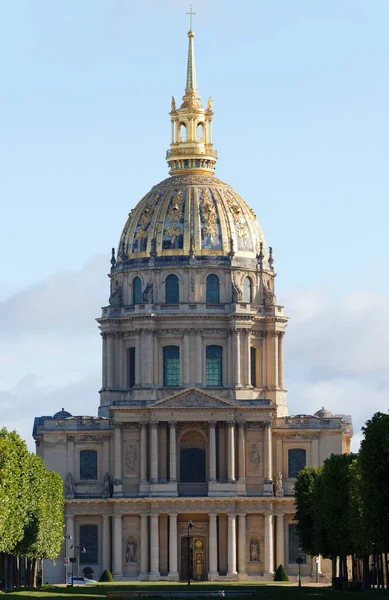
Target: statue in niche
x: 254, y: 551
x: 279, y: 491
x: 69, y: 485
x: 106, y: 485
x: 254, y: 458
x: 131, y: 551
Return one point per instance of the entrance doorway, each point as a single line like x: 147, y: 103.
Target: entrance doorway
x: 193, y: 557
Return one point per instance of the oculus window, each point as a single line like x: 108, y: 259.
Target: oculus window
x: 297, y: 459
x: 88, y: 540
x: 88, y: 464
x: 137, y: 291
x: 213, y: 365
x: 212, y: 290
x: 172, y: 290
x: 171, y: 366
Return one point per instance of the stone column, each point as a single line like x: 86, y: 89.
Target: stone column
x: 121, y: 382
x: 110, y: 359
x: 241, y: 453
x: 117, y: 545
x: 149, y: 356
x: 173, y: 542
x: 143, y: 452
x: 213, y: 572
x: 231, y: 451
x: 237, y: 357
x: 104, y: 361
x: 154, y: 452
x: 172, y: 453
x: 274, y: 351
x: 138, y: 357
x: 70, y: 456
x: 242, y: 544
x: 315, y: 451
x: 268, y: 484
x: 199, y: 356
x: 117, y: 488
x: 212, y: 451
x: 231, y: 545
x: 280, y: 542
x: 269, y: 566
x: 106, y: 541
x: 280, y: 360
x: 248, y: 359
x: 186, y: 356
x: 144, y: 547
x: 154, y: 547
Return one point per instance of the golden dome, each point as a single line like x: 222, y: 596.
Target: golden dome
x: 195, y: 215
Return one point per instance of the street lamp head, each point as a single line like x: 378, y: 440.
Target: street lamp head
x: 190, y: 525
x: 83, y: 550
x: 299, y: 560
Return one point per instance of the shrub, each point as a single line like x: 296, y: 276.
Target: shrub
x: 106, y: 577
x: 281, y: 574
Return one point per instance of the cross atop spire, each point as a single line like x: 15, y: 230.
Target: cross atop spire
x: 190, y: 13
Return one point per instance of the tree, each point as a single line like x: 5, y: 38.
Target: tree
x: 304, y: 490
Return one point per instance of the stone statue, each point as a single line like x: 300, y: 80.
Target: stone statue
x: 173, y: 104
x: 131, y: 551
x: 147, y: 295
x: 279, y: 491
x: 210, y: 102
x: 106, y: 485
x: 254, y: 551
x: 69, y: 485
x: 115, y: 298
x: 237, y: 295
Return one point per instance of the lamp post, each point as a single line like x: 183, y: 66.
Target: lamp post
x: 67, y: 537
x: 79, y: 550
x: 190, y: 525
x: 299, y: 561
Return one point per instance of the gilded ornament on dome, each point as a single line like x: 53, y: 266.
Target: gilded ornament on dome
x: 174, y: 216
x: 145, y: 217
x: 208, y: 216
x: 237, y: 215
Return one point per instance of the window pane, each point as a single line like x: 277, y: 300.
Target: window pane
x: 297, y: 458
x: 171, y: 366
x: 294, y: 546
x: 88, y: 540
x: 172, y: 290
x: 212, y: 294
x: 137, y: 291
x: 130, y: 367
x: 213, y: 369
x: 253, y: 366
x: 88, y: 464
x: 247, y: 290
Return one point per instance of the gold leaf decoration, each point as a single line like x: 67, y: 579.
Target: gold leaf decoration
x: 208, y: 215
x: 174, y: 216
x: 237, y: 215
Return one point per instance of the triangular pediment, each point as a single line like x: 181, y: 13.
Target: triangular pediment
x: 193, y: 398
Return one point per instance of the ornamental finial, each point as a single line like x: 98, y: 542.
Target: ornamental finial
x: 271, y: 259
x: 113, y: 259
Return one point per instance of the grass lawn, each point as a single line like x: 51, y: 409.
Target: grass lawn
x: 264, y: 591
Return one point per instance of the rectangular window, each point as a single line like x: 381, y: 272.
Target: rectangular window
x: 213, y: 366
x: 89, y: 541
x: 171, y: 366
x: 130, y: 367
x: 88, y: 464
x: 294, y: 546
x: 297, y: 459
x: 253, y: 366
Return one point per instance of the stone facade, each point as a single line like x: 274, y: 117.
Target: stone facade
x: 193, y: 424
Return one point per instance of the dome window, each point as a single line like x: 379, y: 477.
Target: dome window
x: 212, y: 291
x: 247, y: 290
x: 137, y: 291
x: 172, y: 290
x: 171, y: 366
x: 213, y: 365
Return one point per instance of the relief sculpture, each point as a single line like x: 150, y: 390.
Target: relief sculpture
x: 131, y: 458
x: 254, y: 459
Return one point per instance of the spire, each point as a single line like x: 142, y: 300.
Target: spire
x: 191, y: 149
x: 191, y: 83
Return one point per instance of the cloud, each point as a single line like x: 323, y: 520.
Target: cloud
x: 50, y: 350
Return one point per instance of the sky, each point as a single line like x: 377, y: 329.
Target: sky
x: 301, y: 126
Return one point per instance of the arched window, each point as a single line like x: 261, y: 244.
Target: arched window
x: 172, y: 290
x: 171, y: 366
x: 192, y: 465
x: 213, y: 365
x: 297, y: 459
x: 247, y: 290
x: 212, y: 293
x: 88, y: 464
x: 253, y: 366
x: 130, y: 367
x: 137, y: 291
x: 182, y: 132
x: 200, y: 132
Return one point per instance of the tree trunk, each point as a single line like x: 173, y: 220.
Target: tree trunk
x: 365, y: 573
x: 386, y: 558
x: 34, y: 572
x: 17, y: 571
